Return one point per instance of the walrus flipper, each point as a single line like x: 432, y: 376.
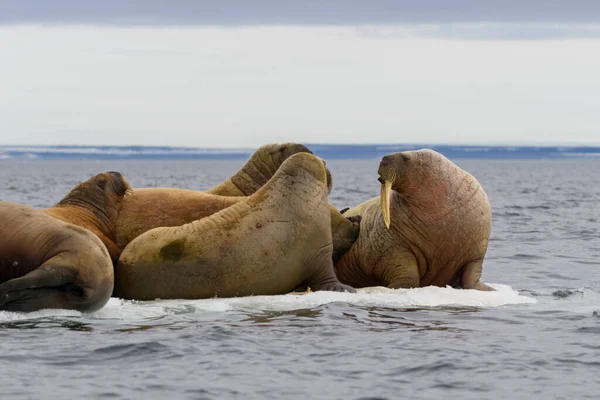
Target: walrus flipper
x: 471, y: 276
x: 29, y: 300
x: 400, y: 270
x: 324, y: 277
x: 44, y: 287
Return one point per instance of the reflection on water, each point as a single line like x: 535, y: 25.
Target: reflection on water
x: 47, y: 323
x: 268, y: 317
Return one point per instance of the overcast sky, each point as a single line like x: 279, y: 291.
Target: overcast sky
x: 242, y: 73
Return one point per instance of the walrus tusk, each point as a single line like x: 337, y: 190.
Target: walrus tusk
x: 386, y: 193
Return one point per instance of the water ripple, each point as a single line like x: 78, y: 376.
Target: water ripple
x: 536, y: 337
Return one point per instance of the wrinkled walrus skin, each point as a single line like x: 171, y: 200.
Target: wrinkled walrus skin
x: 147, y: 208
x: 95, y: 205
x: 48, y: 262
x: 430, y: 226
x: 269, y: 243
x: 261, y: 166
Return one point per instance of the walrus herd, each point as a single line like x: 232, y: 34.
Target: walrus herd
x: 269, y: 229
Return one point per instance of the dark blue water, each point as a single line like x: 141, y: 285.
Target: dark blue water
x: 537, y: 337
x: 327, y: 151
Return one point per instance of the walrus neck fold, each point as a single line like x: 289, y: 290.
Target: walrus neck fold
x: 253, y: 175
x: 95, y: 218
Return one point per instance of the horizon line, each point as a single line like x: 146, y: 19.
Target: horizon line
x: 462, y: 144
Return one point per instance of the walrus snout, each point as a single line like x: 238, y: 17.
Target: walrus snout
x: 386, y: 170
x: 118, y: 183
x: 385, y: 163
x: 114, y: 174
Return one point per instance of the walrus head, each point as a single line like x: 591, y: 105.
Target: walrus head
x: 112, y: 183
x: 306, y: 163
x: 407, y: 171
x: 103, y: 194
x: 99, y: 189
x: 279, y: 152
x: 262, y: 166
x: 269, y: 157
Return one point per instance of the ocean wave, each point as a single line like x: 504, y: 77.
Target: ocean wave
x: 131, y: 311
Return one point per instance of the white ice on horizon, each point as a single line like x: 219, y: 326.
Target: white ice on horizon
x: 372, y: 297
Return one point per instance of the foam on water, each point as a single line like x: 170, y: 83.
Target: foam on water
x: 371, y: 297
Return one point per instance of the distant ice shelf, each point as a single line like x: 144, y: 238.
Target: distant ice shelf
x: 327, y: 151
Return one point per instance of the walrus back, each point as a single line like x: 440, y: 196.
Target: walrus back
x: 256, y: 246
x: 150, y: 208
x: 28, y: 237
x: 32, y: 239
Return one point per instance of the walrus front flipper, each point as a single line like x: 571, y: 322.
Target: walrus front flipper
x: 324, y: 277
x: 399, y: 270
x: 45, y: 287
x: 471, y: 276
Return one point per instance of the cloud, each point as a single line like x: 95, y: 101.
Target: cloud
x: 484, y: 31
x: 451, y: 19
x: 243, y: 86
x: 294, y: 12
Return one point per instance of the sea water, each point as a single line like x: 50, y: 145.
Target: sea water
x: 537, y: 336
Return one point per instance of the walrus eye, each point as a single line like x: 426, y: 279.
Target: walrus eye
x: 102, y: 183
x: 405, y: 158
x: 282, y: 149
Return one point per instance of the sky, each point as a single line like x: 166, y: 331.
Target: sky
x: 236, y: 73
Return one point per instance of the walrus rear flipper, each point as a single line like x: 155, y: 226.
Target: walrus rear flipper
x: 45, y: 287
x: 28, y: 300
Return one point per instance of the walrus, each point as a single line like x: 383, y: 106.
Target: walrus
x: 95, y: 205
x: 271, y: 242
x: 261, y: 166
x: 147, y: 208
x: 54, y: 258
x: 430, y: 226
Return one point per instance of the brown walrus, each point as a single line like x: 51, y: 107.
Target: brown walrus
x: 148, y: 208
x: 271, y: 242
x: 54, y: 258
x: 261, y: 166
x: 430, y: 226
x: 95, y: 205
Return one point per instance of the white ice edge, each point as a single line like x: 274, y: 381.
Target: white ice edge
x: 373, y: 297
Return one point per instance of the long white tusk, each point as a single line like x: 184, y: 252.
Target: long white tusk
x: 386, y: 193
